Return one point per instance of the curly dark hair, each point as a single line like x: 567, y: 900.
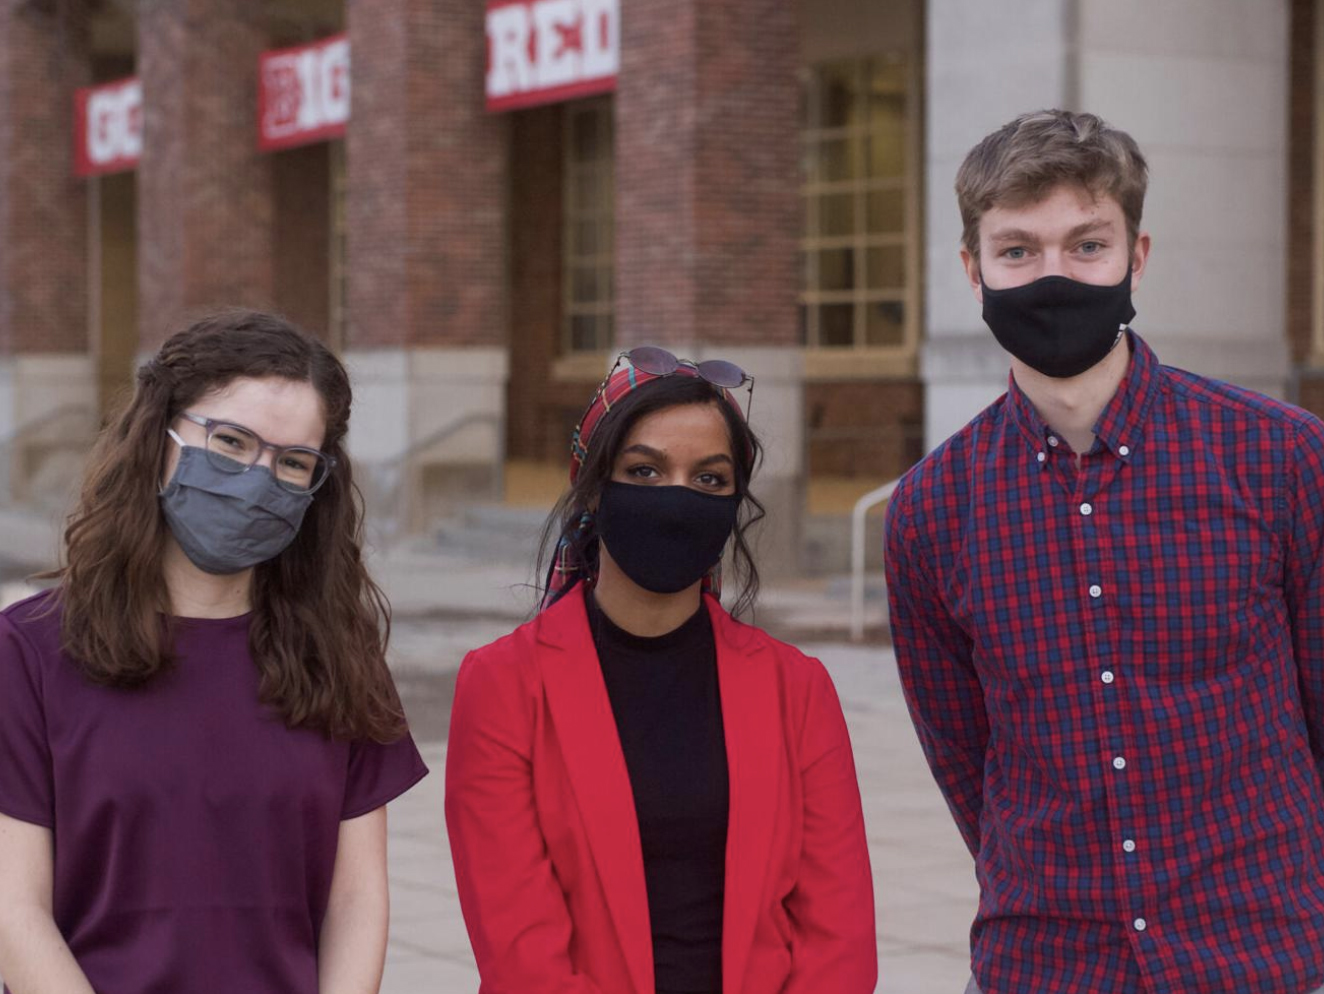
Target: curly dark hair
x: 320, y: 624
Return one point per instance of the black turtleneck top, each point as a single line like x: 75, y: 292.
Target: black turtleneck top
x: 664, y: 696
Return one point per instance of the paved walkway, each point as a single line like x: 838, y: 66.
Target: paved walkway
x: 923, y: 876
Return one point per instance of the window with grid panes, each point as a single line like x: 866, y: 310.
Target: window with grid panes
x: 860, y: 245
x: 588, y: 229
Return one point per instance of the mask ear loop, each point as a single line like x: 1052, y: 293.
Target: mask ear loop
x: 175, y: 435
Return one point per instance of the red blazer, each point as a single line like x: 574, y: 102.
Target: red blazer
x: 546, y: 841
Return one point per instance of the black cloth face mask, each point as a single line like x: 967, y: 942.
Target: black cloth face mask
x: 1059, y: 326
x: 664, y: 538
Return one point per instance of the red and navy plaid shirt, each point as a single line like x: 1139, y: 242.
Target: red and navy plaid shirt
x: 1117, y: 675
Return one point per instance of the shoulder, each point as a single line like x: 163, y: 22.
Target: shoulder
x: 1239, y: 402
x: 34, y: 623
x: 795, y: 669
x: 946, y: 469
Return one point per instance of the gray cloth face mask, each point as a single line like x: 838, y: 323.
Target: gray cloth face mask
x: 228, y: 522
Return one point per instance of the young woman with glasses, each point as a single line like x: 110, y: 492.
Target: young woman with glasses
x: 198, y: 730
x: 645, y: 795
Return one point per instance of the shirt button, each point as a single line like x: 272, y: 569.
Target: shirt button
x: 1096, y: 591
x: 1107, y: 676
x: 1087, y: 509
x: 1119, y: 763
x: 1140, y: 924
x: 1124, y: 450
x: 1129, y: 845
x: 1042, y: 456
x: 1052, y: 440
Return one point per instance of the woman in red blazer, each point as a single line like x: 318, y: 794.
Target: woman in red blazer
x: 643, y: 794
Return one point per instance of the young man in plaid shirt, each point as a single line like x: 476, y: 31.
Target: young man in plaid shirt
x: 1107, y: 598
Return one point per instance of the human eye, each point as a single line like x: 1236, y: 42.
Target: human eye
x: 231, y: 438
x: 712, y: 481
x: 1091, y: 247
x: 297, y: 462
x: 641, y: 471
x: 1015, y: 253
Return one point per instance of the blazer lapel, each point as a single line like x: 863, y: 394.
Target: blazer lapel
x: 586, y: 730
x: 752, y: 721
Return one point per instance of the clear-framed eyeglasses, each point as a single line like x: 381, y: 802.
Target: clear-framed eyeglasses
x: 232, y: 448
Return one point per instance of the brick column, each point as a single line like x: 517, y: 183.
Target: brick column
x: 205, y: 217
x: 46, y: 372
x: 427, y: 312
x: 708, y: 213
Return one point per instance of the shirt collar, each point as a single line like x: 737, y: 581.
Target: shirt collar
x: 1120, y: 427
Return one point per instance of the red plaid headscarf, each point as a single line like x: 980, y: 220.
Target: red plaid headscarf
x: 567, y: 567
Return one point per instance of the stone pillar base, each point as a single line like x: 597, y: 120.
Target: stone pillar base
x: 48, y: 420
x: 428, y: 432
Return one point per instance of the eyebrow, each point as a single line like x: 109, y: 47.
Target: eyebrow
x: 660, y: 456
x: 1079, y: 231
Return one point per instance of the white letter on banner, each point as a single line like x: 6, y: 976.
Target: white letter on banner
x: 508, y: 34
x: 310, y: 93
x: 335, y: 82
x: 602, y: 38
x: 131, y: 96
x: 102, y: 126
x: 560, y: 30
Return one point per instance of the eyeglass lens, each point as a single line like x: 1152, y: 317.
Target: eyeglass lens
x: 296, y: 468
x: 660, y: 362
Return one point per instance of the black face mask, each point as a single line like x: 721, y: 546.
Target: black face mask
x: 664, y: 538
x: 1058, y: 326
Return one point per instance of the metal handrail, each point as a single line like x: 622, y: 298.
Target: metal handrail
x: 862, y: 507
x: 446, y: 431
x: 42, y: 420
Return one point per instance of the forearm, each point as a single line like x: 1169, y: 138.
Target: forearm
x: 352, y: 946
x: 34, y: 958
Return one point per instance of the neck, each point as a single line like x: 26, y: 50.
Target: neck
x: 1071, y: 407
x: 639, y: 611
x: 195, y: 594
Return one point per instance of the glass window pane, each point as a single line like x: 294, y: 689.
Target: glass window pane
x: 583, y: 332
x: 804, y: 325
x: 833, y: 163
x: 885, y: 322
x: 886, y: 211
x: 585, y: 285
x: 837, y: 100
x: 836, y: 214
x: 885, y: 154
x: 586, y: 130
x: 586, y: 239
x: 836, y: 269
x: 836, y: 325
x: 886, y: 267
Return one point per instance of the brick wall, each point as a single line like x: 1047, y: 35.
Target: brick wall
x: 205, y: 220
x: 425, y: 178
x: 43, y: 206
x: 708, y: 211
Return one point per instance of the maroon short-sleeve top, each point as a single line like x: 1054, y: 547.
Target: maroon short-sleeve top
x: 195, y: 834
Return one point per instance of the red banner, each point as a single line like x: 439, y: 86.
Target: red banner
x: 108, y: 127
x: 303, y: 94
x: 546, y: 51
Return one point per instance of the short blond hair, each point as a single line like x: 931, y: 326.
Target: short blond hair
x: 1022, y: 162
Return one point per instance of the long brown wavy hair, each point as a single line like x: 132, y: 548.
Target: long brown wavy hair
x: 320, y: 624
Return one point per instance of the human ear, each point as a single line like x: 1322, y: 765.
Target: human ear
x: 971, y: 264
x: 1139, y: 257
